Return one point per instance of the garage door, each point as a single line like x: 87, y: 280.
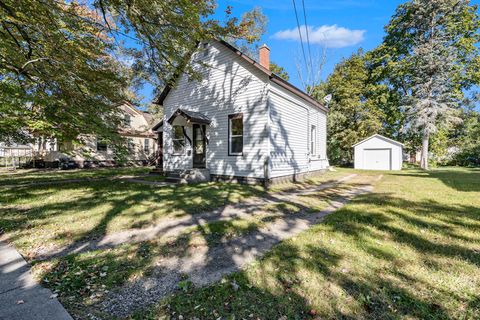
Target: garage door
x: 378, y: 159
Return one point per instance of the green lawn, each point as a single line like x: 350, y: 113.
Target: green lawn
x: 410, y: 250
x: 45, y: 175
x: 39, y: 217
x: 54, y: 215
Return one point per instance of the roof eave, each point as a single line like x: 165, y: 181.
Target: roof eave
x: 272, y: 77
x: 380, y: 136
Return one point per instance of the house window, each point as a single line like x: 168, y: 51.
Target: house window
x: 235, y: 134
x: 102, y: 145
x: 313, y: 140
x: 205, y: 50
x: 127, y: 121
x: 146, y: 146
x: 130, y: 145
x: 178, y: 140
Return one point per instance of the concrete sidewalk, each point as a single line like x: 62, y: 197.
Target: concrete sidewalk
x: 20, y: 296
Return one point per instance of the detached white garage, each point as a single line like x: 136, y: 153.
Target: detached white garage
x: 378, y: 153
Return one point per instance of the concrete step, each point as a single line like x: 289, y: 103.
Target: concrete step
x: 172, y: 179
x: 173, y: 174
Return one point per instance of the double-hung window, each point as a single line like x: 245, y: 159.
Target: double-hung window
x: 130, y: 145
x: 235, y: 134
x: 178, y: 140
x: 127, y: 121
x: 313, y: 141
x: 146, y: 146
x: 101, y: 145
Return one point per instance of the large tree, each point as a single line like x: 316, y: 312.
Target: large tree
x: 430, y: 54
x: 60, y: 74
x: 354, y: 113
x: 57, y: 77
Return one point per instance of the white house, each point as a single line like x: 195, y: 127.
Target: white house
x: 378, y: 153
x: 135, y: 128
x: 241, y: 121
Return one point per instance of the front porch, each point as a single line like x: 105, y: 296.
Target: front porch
x: 182, y: 147
x: 194, y: 175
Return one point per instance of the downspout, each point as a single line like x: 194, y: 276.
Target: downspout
x: 267, y: 162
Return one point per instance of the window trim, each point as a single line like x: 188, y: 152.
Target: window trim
x: 131, y: 145
x: 313, y: 140
x: 146, y: 146
x: 105, y: 142
x: 230, y: 118
x: 173, y: 141
x: 127, y: 121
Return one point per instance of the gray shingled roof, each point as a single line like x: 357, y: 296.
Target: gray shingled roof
x: 191, y: 116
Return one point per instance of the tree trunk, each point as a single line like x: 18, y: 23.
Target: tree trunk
x: 424, y: 158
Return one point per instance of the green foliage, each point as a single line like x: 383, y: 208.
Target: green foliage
x: 57, y: 77
x: 60, y: 74
x: 430, y: 54
x: 256, y: 23
x: 168, y: 32
x: 354, y: 110
x: 469, y: 141
x: 279, y: 71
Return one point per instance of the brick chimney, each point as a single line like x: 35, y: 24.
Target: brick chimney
x: 264, y: 54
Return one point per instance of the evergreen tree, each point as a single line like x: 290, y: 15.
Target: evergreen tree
x: 430, y: 53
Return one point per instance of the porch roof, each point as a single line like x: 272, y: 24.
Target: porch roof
x: 190, y: 116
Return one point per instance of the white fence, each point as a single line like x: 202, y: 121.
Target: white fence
x: 14, y: 157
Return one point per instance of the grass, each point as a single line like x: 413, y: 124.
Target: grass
x: 36, y: 218
x: 43, y: 217
x: 153, y: 177
x: 46, y: 175
x: 410, y: 250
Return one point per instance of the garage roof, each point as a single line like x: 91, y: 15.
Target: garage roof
x: 381, y: 137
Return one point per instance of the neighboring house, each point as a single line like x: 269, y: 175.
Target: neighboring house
x: 93, y: 151
x: 136, y: 129
x: 241, y: 121
x: 15, y: 155
x: 378, y: 153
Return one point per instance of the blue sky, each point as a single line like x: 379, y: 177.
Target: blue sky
x: 338, y: 27
x: 347, y: 26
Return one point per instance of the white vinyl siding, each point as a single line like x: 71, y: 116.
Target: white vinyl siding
x: 291, y: 121
x: 230, y: 85
x: 276, y: 123
x: 378, y: 153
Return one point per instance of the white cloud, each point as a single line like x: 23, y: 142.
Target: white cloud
x: 328, y: 36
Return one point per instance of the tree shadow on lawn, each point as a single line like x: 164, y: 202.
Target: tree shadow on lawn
x: 464, y: 179
x: 311, y: 277
x: 412, y: 228
x: 121, y: 206
x: 227, y: 250
x: 281, y: 284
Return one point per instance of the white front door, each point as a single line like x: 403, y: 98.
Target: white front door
x: 377, y: 159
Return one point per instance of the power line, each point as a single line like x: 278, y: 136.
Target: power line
x: 308, y: 37
x: 300, y: 34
